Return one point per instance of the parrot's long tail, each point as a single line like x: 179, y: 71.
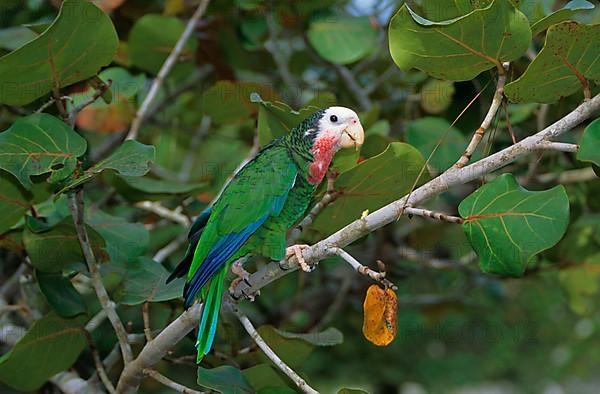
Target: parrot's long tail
x: 210, y: 314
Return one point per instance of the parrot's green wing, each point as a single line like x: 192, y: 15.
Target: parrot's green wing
x: 257, y: 192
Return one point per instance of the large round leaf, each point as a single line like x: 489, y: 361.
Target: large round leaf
x: 590, y: 144
x: 459, y: 49
x: 80, y: 41
x: 51, y: 345
x: 38, y: 144
x: 566, y: 63
x: 508, y: 225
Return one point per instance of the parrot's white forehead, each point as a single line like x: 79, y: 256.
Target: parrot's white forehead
x: 342, y: 113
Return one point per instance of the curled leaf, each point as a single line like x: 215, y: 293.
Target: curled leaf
x: 380, y: 322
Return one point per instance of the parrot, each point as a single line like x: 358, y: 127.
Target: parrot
x: 262, y: 201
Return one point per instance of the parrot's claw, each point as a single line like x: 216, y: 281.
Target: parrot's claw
x: 296, y: 250
x: 242, y: 275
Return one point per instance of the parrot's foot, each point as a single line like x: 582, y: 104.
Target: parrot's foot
x: 237, y: 267
x: 296, y: 250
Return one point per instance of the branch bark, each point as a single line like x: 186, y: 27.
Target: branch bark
x: 487, y: 120
x: 142, y: 112
x: 154, y: 351
x: 76, y: 207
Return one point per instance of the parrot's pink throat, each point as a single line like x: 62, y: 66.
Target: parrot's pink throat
x: 323, y: 151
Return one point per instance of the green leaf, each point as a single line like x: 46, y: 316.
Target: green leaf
x: 426, y: 133
x: 50, y: 251
x: 230, y: 102
x: 224, y: 379
x: 459, y: 49
x: 330, y: 337
x: 38, y: 144
x: 589, y: 149
x: 565, y: 13
x: 369, y: 187
x: 51, y: 345
x: 60, y: 294
x: 14, y: 201
x: 293, y: 351
x: 80, y: 41
x: 161, y: 186
x: 275, y: 119
x: 124, y: 241
x: 263, y: 376
x: 342, y: 39
x: 351, y: 391
x: 152, y: 39
x: 144, y: 280
x: 566, y: 62
x: 131, y: 158
x: 508, y: 225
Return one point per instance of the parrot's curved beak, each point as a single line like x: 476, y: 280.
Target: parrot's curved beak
x: 353, y: 135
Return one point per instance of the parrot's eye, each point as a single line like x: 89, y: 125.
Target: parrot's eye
x: 333, y: 118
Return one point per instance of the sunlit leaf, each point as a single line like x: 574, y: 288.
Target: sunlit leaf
x: 52, y: 338
x: 224, y: 379
x: 380, y: 321
x: 459, y: 49
x: 566, y: 64
x: 508, y: 225
x: 38, y: 144
x: 436, y: 96
x: 80, y: 41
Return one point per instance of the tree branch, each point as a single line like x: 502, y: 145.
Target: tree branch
x: 559, y: 146
x: 363, y: 269
x: 301, y: 383
x: 158, y: 209
x: 76, y: 207
x: 432, y: 215
x: 487, y: 120
x: 154, y: 351
x: 389, y: 213
x: 141, y: 114
x: 169, y: 383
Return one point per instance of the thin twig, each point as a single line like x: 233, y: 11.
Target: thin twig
x: 100, y: 90
x: 572, y: 176
x: 141, y: 114
x: 363, y: 269
x: 98, y: 363
x: 163, y: 253
x: 300, y: 383
x: 487, y: 120
x: 76, y: 206
x: 146, y: 319
x: 433, y: 215
x: 50, y: 102
x: 169, y: 383
x: 160, y: 210
x: 427, y: 258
